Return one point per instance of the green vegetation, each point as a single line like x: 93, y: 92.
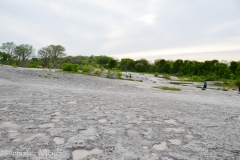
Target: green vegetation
x: 39, y: 75
x: 139, y: 80
x: 88, y: 69
x: 54, y: 56
x: 70, y: 67
x: 114, y: 73
x: 14, y: 65
x: 237, y: 82
x: 156, y: 74
x: 166, y: 76
x: 224, y: 88
x: 180, y: 83
x: 167, y: 88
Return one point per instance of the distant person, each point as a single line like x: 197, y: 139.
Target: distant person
x: 38, y: 66
x: 130, y: 75
x: 126, y: 75
x: 204, y: 85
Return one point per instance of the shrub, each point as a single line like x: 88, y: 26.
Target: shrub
x: 166, y: 76
x: 197, y: 79
x: 237, y: 82
x: 114, y: 73
x: 156, y: 74
x: 70, y: 67
x: 98, y: 72
x: 224, y: 88
x: 14, y: 65
x: 88, y: 69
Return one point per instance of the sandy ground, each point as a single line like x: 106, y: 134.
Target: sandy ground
x: 69, y: 116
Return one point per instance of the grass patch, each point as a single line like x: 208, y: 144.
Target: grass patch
x: 49, y: 74
x: 154, y: 81
x: 46, y: 76
x: 56, y: 77
x: 139, y: 80
x: 167, y: 88
x: 70, y: 72
x: 179, y: 83
x: 39, y: 75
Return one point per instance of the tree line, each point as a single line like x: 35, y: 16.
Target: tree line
x: 24, y: 55
x: 54, y: 56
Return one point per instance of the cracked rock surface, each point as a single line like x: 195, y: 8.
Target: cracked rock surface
x: 54, y: 115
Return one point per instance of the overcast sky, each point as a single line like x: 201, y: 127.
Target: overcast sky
x: 151, y: 29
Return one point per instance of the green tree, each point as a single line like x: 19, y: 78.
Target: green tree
x: 139, y: 67
x: 177, y: 66
x: 102, y: 60
x: 127, y: 64
x: 142, y: 65
x: 24, y: 52
x: 44, y: 54
x: 112, y: 63
x: 9, y: 49
x: 233, y: 66
x: 3, y: 57
x: 56, y: 51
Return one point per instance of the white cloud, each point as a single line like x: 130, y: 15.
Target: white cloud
x: 149, y: 19
x: 123, y: 28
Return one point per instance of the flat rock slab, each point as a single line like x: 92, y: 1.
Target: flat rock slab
x: 77, y: 117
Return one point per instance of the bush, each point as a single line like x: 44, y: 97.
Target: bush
x: 197, y: 79
x: 88, y: 69
x: 14, y: 65
x: 212, y: 77
x: 98, y: 72
x: 237, y: 82
x: 114, y: 73
x: 166, y: 76
x: 224, y: 88
x: 70, y: 67
x: 156, y: 74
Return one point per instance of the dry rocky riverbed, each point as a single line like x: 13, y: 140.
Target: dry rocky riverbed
x: 54, y: 115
